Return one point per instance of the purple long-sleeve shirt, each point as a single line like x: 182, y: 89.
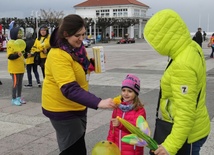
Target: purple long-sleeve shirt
x: 74, y: 92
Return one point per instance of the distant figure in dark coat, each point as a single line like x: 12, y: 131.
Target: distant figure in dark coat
x: 198, y: 37
x: 204, y: 35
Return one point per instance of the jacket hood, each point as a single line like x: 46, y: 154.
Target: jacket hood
x: 14, y: 33
x: 167, y: 33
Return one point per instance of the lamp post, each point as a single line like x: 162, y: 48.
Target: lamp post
x: 35, y: 14
x: 95, y: 26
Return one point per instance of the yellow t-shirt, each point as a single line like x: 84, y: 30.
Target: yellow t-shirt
x: 40, y: 45
x: 61, y: 69
x: 15, y: 66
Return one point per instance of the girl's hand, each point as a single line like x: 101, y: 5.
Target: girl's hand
x: 45, y: 51
x: 19, y: 53
x: 29, y: 55
x: 115, y: 122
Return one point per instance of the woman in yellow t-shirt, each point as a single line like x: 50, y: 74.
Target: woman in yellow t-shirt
x: 65, y: 95
x: 42, y: 46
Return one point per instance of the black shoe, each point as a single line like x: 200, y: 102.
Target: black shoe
x: 39, y: 85
x: 0, y: 83
x: 28, y: 86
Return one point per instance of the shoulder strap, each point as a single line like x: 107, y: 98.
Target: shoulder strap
x: 158, y: 105
x: 160, y: 93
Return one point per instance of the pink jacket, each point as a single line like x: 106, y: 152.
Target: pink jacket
x: 115, y: 135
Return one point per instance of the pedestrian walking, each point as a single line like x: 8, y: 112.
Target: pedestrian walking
x: 211, y: 44
x: 198, y: 37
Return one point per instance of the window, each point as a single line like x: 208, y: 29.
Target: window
x: 143, y: 13
x: 120, y: 12
x: 102, y: 13
x: 136, y: 12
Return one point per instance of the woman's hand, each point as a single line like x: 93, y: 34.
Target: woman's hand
x: 161, y: 151
x: 107, y: 104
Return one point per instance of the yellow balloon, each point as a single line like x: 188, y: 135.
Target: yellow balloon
x: 19, y: 45
x: 10, y: 43
x: 105, y: 148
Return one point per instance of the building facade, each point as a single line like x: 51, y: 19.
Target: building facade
x: 130, y: 9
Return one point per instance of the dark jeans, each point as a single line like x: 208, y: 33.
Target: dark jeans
x: 42, y: 65
x: 194, y: 148
x: 29, y: 67
x: 211, y: 55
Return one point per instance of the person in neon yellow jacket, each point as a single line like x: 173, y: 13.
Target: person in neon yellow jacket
x: 181, y: 84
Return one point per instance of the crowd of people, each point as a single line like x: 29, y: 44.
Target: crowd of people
x: 29, y: 59
x: 200, y: 37
x: 66, y: 70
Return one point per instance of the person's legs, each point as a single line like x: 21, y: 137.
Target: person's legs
x: 29, y: 75
x: 14, y: 89
x: 42, y: 65
x: 35, y: 71
x: 78, y: 148
x: 19, y: 84
x: 194, y: 148
x: 71, y: 135
x: 19, y: 88
x: 211, y: 55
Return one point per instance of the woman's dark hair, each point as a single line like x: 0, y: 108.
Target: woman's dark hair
x: 47, y: 31
x: 70, y: 25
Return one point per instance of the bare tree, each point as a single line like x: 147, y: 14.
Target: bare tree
x: 51, y: 18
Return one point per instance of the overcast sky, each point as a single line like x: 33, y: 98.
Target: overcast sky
x: 196, y: 13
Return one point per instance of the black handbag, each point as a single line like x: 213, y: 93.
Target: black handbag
x: 37, y: 58
x: 162, y: 130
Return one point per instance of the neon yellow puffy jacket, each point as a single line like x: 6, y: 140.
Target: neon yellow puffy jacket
x: 182, y: 82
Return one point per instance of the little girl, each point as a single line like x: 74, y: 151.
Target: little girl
x: 129, y: 109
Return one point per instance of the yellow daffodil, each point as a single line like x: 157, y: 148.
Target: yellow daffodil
x: 117, y: 99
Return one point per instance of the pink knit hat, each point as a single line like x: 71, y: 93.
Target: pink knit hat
x: 133, y: 82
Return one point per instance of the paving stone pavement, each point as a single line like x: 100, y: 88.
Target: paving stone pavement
x: 24, y: 130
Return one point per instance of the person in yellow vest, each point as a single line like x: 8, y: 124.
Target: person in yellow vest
x: 212, y: 45
x: 42, y: 46
x: 16, y: 67
x: 29, y: 60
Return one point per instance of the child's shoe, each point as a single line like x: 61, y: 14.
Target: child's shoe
x: 21, y: 100
x: 39, y: 85
x: 16, y: 102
